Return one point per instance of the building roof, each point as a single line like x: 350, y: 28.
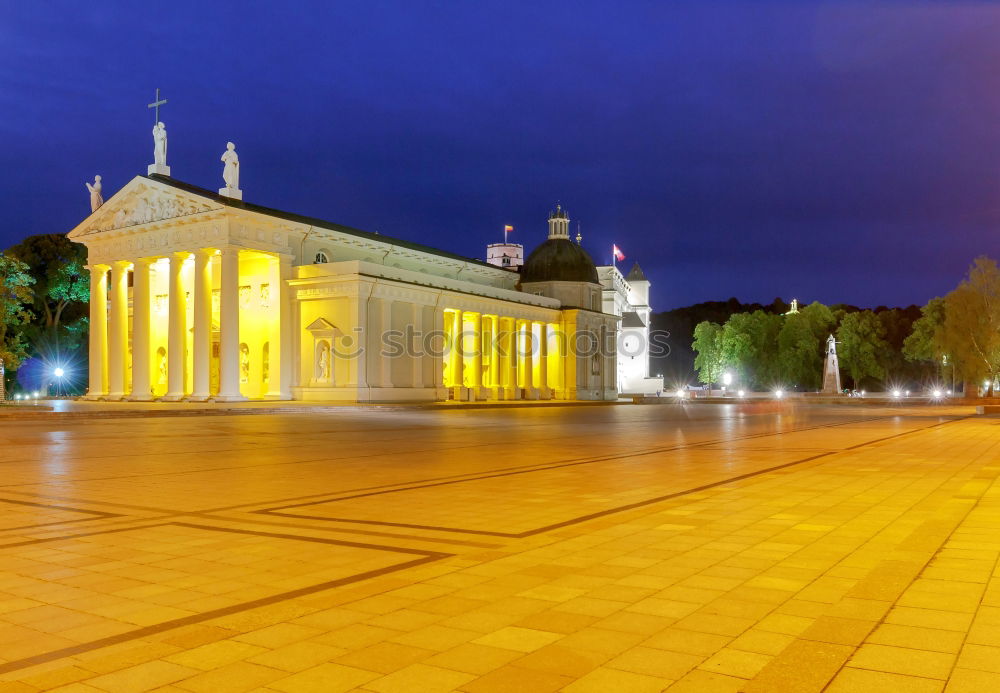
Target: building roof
x: 312, y: 221
x: 632, y: 319
x: 559, y: 260
x: 635, y: 274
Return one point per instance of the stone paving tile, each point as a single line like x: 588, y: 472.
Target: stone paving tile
x: 614, y: 548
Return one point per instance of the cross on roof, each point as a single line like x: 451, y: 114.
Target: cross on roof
x: 156, y: 105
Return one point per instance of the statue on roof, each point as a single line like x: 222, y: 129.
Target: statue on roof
x: 160, y: 144
x: 96, y: 200
x: 231, y: 170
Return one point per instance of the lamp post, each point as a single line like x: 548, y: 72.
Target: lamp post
x: 58, y: 372
x: 727, y: 380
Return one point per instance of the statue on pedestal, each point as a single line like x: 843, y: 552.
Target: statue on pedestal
x: 831, y: 369
x: 96, y: 200
x: 231, y: 172
x: 160, y: 144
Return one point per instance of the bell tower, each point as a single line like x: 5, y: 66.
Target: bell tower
x: 559, y: 223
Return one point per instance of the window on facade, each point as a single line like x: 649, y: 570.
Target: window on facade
x: 321, y: 258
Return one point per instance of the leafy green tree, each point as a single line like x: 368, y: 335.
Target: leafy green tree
x: 708, y: 351
x: 15, y: 297
x: 749, y: 346
x: 971, y: 333
x: 925, y: 345
x: 800, y: 345
x: 62, y: 283
x: 862, y: 346
x: 799, y: 355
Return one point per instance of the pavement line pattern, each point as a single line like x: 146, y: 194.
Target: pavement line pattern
x: 691, y: 550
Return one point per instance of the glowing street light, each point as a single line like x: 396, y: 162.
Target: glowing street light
x: 936, y: 394
x: 59, y: 372
x: 741, y: 393
x: 896, y: 394
x: 680, y: 394
x: 778, y: 394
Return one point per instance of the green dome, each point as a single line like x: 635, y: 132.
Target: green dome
x: 559, y: 260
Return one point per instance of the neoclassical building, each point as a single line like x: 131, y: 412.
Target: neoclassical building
x: 197, y: 295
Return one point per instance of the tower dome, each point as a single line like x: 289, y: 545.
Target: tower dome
x: 558, y: 259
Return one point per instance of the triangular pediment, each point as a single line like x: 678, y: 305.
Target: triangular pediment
x: 142, y: 201
x: 323, y: 327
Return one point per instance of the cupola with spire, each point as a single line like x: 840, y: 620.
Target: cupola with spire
x: 559, y: 223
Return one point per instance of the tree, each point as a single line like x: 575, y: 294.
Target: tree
x: 749, y: 346
x: 708, y: 348
x: 62, y: 283
x: 62, y: 292
x: 971, y: 333
x: 799, y: 352
x: 800, y: 345
x: 15, y: 296
x: 862, y: 346
x: 925, y: 344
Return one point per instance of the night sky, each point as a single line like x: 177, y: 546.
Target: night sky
x: 832, y: 151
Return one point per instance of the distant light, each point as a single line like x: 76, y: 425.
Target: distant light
x: 35, y: 395
x: 896, y: 393
x: 59, y: 372
x: 936, y: 394
x: 17, y: 396
x: 779, y: 394
x: 727, y: 378
x: 862, y: 393
x: 741, y: 393
x: 949, y: 392
x: 680, y: 394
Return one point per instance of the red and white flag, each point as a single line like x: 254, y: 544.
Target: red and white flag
x: 619, y: 255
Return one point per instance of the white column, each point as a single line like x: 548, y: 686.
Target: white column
x: 98, y: 332
x: 510, y: 367
x: 458, y: 353
x: 229, y: 326
x: 280, y: 340
x: 437, y: 345
x: 118, y: 330
x: 202, y: 335
x: 384, y: 325
x: 415, y: 343
x: 526, y: 347
x: 177, y: 329
x: 542, y: 330
x: 140, y: 331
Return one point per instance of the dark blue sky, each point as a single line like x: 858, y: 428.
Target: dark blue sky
x: 832, y: 151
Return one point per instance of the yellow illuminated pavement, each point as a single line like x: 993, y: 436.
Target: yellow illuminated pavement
x: 689, y: 548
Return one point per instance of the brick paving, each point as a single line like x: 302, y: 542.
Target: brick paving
x: 621, y: 548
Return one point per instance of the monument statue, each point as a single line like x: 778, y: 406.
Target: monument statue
x: 831, y: 369
x: 231, y: 170
x: 231, y: 173
x: 159, y: 144
x: 95, y: 194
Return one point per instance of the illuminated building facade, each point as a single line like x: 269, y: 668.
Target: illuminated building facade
x: 627, y: 296
x: 200, y: 296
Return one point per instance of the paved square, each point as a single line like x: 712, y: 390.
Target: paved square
x: 611, y: 548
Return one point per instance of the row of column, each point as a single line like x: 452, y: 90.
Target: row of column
x: 109, y: 329
x: 518, y: 354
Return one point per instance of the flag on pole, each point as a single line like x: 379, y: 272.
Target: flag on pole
x: 619, y: 255
x: 508, y: 228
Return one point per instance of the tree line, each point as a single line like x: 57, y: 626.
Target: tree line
x: 954, y: 339
x: 44, y: 299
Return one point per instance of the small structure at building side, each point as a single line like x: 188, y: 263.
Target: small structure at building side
x: 627, y: 296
